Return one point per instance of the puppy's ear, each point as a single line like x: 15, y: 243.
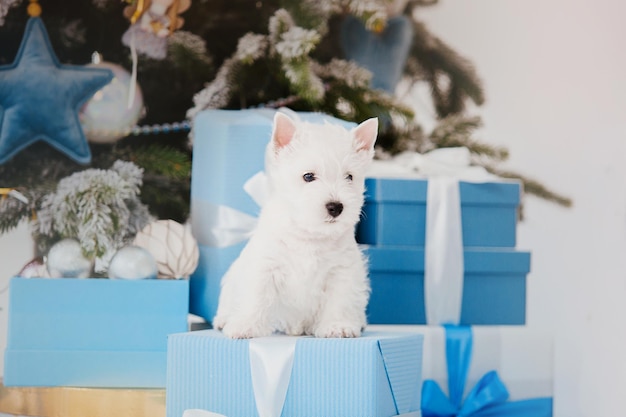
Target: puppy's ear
x: 284, y: 129
x: 365, y: 134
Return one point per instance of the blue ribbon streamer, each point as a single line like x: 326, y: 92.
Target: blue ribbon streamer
x: 488, y: 398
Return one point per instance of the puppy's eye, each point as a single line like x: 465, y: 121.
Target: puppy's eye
x: 349, y: 177
x: 308, y: 177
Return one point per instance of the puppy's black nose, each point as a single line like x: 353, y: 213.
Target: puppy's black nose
x: 334, y: 208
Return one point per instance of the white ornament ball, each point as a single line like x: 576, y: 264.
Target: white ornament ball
x: 173, y: 246
x: 132, y: 262
x: 107, y: 117
x: 66, y: 260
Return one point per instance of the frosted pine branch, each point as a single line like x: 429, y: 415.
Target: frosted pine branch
x: 297, y: 42
x: 251, y: 47
x: 100, y: 208
x: 216, y: 94
x: 190, y: 41
x: 279, y: 23
x: 348, y: 72
x: 5, y: 5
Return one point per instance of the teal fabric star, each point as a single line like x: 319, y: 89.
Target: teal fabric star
x: 40, y: 98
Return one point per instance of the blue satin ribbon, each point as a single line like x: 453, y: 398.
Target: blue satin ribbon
x: 488, y: 398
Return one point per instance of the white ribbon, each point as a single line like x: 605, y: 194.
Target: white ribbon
x: 219, y: 226
x: 133, y: 78
x: 444, y: 264
x: 271, y: 362
x: 444, y: 267
x: 196, y: 412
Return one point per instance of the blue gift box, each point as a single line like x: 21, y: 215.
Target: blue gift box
x: 229, y: 149
x: 394, y: 213
x: 494, y: 286
x: 92, y: 332
x: 376, y: 375
x: 504, y: 371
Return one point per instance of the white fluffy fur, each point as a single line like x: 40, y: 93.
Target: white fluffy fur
x: 302, y: 271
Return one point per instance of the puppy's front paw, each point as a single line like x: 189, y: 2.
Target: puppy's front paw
x: 247, y: 330
x: 218, y: 322
x: 340, y: 329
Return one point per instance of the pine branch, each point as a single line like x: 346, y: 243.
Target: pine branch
x: 308, y: 14
x: 166, y: 179
x: 453, y: 78
x: 162, y: 160
x: 38, y: 167
x: 419, y: 3
x: 397, y: 138
x: 12, y: 212
x: 455, y: 130
x: 100, y: 208
x: 188, y: 53
x: 303, y: 82
x: 534, y: 187
x: 167, y: 197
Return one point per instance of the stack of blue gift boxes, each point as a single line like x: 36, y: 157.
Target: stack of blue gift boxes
x: 394, y: 226
x: 379, y: 374
x: 108, y: 336
x: 469, y: 368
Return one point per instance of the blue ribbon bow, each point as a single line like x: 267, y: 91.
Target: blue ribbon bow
x: 488, y: 398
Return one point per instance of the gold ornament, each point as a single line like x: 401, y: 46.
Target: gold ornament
x: 33, y: 9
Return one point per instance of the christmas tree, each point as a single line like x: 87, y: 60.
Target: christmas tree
x: 341, y: 57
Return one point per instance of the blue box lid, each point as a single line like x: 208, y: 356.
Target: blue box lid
x: 416, y: 191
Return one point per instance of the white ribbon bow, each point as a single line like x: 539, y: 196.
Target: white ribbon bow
x: 271, y: 362
x: 219, y: 225
x: 444, y: 265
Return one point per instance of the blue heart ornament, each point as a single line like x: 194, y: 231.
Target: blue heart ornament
x: 384, y: 53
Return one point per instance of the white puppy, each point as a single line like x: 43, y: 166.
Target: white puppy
x: 302, y: 271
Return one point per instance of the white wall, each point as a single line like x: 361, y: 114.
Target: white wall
x: 555, y: 79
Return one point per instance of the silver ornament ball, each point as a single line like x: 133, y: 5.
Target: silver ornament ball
x: 65, y: 260
x: 132, y: 262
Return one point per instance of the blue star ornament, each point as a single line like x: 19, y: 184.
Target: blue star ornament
x: 40, y: 99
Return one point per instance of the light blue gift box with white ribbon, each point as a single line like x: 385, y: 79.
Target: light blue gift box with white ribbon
x: 376, y: 375
x: 493, y: 290
x: 480, y: 371
x: 92, y: 332
x: 394, y: 212
x: 228, y: 153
